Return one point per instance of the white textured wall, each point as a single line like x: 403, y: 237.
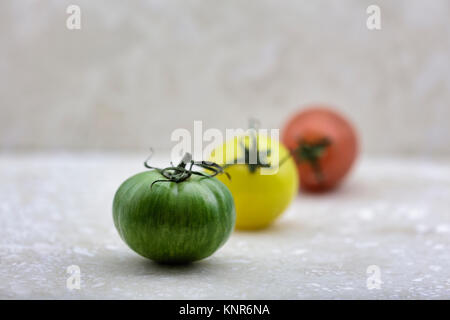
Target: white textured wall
x: 139, y: 69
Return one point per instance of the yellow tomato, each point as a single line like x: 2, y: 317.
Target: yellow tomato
x: 260, y: 194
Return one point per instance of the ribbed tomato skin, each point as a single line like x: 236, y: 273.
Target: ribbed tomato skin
x: 173, y: 222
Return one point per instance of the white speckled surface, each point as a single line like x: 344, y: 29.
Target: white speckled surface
x: 55, y: 211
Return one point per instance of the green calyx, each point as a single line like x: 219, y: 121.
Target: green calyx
x: 252, y: 157
x: 184, y: 170
x: 311, y: 153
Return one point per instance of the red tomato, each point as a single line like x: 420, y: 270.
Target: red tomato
x: 324, y: 145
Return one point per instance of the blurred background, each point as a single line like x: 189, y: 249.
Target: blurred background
x: 137, y: 70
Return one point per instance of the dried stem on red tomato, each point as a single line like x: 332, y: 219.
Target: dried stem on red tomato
x: 311, y: 152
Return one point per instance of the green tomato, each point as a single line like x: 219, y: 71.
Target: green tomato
x: 173, y: 222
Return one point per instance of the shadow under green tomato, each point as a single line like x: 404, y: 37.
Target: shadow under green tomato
x: 195, y: 267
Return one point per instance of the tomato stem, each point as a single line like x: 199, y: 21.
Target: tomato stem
x: 311, y: 153
x: 180, y: 173
x: 252, y: 157
x: 187, y: 158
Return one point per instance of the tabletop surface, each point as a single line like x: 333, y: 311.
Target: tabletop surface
x: 385, y: 233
